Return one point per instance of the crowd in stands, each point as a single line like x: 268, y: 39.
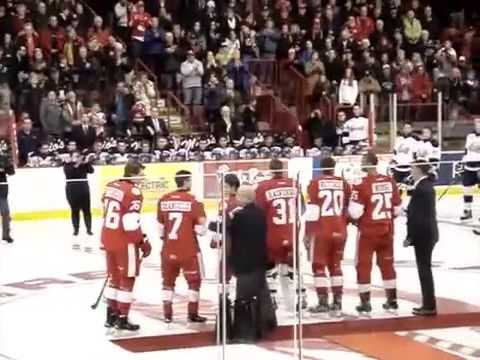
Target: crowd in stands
x: 73, y: 80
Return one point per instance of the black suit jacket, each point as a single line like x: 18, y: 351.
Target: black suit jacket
x: 248, y: 231
x: 422, y: 227
x: 84, y: 140
x: 162, y: 129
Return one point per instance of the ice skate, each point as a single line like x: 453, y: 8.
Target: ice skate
x: 112, y: 318
x: 365, y: 308
x: 195, y: 318
x: 122, y: 323
x: 322, y: 306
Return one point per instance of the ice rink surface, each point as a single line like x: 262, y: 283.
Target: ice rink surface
x: 46, y: 290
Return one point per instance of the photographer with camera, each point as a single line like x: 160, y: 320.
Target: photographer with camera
x: 6, y: 169
x: 78, y: 192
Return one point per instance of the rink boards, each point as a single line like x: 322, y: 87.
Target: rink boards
x: 40, y: 193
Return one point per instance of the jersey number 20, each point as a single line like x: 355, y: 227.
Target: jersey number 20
x: 332, y: 204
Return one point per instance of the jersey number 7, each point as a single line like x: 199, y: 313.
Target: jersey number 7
x: 175, y: 220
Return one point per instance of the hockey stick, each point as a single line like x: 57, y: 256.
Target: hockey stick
x: 445, y: 191
x: 100, y: 295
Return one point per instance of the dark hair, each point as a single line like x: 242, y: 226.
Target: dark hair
x: 232, y: 180
x: 276, y: 166
x: 423, y: 166
x: 328, y: 165
x: 181, y: 177
x: 371, y: 158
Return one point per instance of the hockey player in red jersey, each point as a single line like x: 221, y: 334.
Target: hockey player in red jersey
x: 123, y: 240
x: 181, y: 219
x: 374, y: 204
x: 278, y: 198
x: 326, y: 232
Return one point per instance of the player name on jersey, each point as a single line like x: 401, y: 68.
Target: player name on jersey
x: 281, y: 193
x: 114, y: 193
x: 330, y: 185
x: 382, y: 187
x: 181, y: 206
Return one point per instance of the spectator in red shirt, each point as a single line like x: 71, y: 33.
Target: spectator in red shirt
x: 404, y: 87
x: 98, y: 33
x: 20, y: 19
x: 365, y: 25
x: 421, y: 85
x: 139, y: 23
x: 28, y: 38
x: 52, y: 38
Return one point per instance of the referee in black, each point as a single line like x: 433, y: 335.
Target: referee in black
x: 422, y: 233
x: 78, y: 191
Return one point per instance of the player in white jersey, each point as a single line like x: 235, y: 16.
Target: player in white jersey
x: 357, y: 129
x: 404, y: 154
x: 471, y: 165
x: 428, y: 148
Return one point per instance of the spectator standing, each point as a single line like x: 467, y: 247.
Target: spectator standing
x: 348, y: 91
x: 121, y: 106
x: 139, y: 22
x: 122, y: 29
x: 28, y: 141
x: 52, y: 38
x: 154, y: 41
x: 192, y: 73
x: 171, y: 62
x: 334, y: 67
x: 72, y: 109
x: 28, y: 38
x: 422, y: 86
x: 40, y: 19
x: 269, y: 40
x: 237, y: 71
x: 97, y: 33
x: 412, y: 30
x: 51, y: 116
x: 404, y: 89
x: 84, y: 134
x: 314, y: 69
x: 365, y: 24
x: 369, y: 85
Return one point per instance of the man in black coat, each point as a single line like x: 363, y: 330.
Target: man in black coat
x: 422, y: 233
x: 254, y: 311
x: 84, y: 134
